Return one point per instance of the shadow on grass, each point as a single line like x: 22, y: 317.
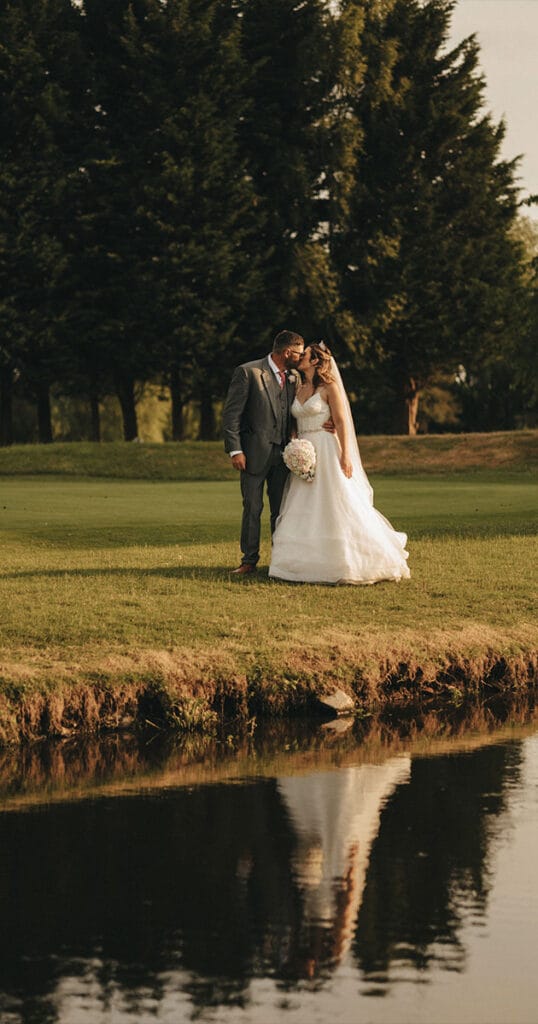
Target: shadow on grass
x: 125, y: 537
x: 431, y: 527
x: 216, y: 573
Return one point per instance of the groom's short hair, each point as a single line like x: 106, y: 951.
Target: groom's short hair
x: 286, y: 339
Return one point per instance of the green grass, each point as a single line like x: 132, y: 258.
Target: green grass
x: 188, y: 460
x: 505, y: 451
x: 93, y: 569
x: 115, y: 586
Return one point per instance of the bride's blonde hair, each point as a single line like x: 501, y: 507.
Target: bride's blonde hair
x: 323, y: 375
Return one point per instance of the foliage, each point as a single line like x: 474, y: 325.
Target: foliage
x: 179, y: 180
x: 426, y: 257
x: 38, y: 57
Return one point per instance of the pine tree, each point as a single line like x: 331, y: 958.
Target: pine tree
x: 113, y: 308
x: 498, y: 388
x: 199, y: 203
x: 163, y: 270
x: 287, y: 134
x: 37, y: 161
x: 427, y: 263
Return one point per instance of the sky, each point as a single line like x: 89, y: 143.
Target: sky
x: 507, y: 32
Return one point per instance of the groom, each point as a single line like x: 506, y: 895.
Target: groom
x: 257, y: 425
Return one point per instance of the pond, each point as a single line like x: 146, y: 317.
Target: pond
x: 300, y: 874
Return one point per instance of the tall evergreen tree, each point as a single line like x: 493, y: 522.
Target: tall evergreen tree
x: 199, y: 203
x: 37, y: 160
x: 287, y: 133
x: 427, y: 262
x: 498, y: 388
x: 162, y: 268
x: 113, y: 307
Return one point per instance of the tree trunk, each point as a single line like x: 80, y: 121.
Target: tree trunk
x: 208, y: 426
x: 6, y: 405
x: 44, y: 419
x: 95, y: 428
x: 412, y: 400
x: 125, y: 392
x: 406, y: 418
x: 178, y: 421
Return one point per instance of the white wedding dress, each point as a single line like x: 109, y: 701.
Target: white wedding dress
x: 328, y: 530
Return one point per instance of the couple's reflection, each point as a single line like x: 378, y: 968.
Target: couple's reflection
x: 335, y: 817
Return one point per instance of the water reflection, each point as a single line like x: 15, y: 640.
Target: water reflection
x: 178, y: 902
x: 335, y: 817
x: 429, y: 872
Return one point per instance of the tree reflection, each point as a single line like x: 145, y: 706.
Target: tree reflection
x: 429, y: 867
x: 197, y: 891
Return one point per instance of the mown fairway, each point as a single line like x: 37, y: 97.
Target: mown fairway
x: 93, y: 569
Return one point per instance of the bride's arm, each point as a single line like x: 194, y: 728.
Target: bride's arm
x: 338, y: 418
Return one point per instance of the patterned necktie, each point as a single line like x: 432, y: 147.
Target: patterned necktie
x: 282, y: 378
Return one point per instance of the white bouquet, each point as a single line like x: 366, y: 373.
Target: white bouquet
x: 300, y: 457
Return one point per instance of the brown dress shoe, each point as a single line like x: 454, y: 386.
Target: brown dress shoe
x: 244, y: 570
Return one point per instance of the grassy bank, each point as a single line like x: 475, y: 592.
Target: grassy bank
x: 118, y: 605
x: 509, y: 451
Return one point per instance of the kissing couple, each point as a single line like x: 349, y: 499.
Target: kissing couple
x: 324, y: 526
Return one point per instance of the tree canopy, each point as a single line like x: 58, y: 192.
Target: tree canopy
x: 180, y: 180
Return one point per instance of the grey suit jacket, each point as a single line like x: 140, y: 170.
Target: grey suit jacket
x: 250, y: 415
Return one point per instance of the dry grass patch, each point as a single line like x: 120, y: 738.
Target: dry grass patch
x: 500, y: 450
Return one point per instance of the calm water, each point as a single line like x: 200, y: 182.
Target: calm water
x: 337, y: 881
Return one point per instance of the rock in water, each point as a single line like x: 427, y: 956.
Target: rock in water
x: 336, y: 703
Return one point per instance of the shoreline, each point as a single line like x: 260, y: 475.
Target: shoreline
x: 184, y: 692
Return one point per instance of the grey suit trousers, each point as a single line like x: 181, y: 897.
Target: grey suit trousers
x: 252, y: 491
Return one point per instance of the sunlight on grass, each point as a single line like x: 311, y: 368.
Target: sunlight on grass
x: 117, y: 565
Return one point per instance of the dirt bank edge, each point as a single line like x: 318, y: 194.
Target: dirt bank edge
x: 190, y: 691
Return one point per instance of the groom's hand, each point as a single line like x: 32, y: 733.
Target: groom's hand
x: 329, y: 426
x: 239, y: 461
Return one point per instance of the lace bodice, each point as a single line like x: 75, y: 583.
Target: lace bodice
x: 312, y: 415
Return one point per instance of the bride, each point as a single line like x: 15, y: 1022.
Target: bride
x: 328, y: 530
